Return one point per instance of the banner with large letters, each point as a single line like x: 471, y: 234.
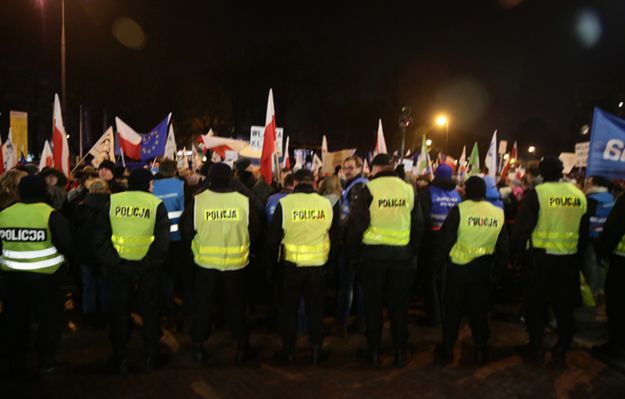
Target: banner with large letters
x: 606, y: 155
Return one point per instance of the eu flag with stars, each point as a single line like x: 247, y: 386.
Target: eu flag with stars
x: 153, y: 143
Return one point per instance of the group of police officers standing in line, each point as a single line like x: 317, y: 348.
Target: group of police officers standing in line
x: 376, y: 230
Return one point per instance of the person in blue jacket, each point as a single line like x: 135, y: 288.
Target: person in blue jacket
x: 170, y: 189
x: 436, y: 201
x: 492, y: 192
x: 272, y: 201
x: 600, y: 204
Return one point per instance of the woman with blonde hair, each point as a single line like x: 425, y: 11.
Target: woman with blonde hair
x: 8, y: 187
x: 330, y: 188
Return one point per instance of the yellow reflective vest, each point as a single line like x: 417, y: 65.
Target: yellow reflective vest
x: 620, y: 248
x: 478, y: 230
x: 306, y: 222
x: 562, y: 206
x: 133, y: 215
x: 390, y: 211
x: 27, y: 240
x: 222, y: 239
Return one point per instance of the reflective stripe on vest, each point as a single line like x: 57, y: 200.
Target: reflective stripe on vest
x: 562, y: 206
x: 390, y: 209
x: 620, y: 248
x: 306, y: 221
x: 27, y: 240
x: 478, y: 230
x: 222, y: 238
x: 133, y: 216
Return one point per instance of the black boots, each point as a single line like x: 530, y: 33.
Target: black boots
x: 371, y: 356
x: 198, y: 354
x: 245, y: 353
x: 286, y: 356
x: 118, y: 364
x: 318, y: 355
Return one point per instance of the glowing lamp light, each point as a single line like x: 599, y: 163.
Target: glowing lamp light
x: 531, y: 149
x: 441, y: 120
x: 428, y: 142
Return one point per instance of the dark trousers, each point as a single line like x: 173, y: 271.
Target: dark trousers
x: 551, y: 279
x: 467, y: 293
x: 349, y: 289
x: 309, y: 283
x: 131, y: 286
x: 176, y: 276
x: 233, y: 287
x: 429, y: 276
x: 615, y: 299
x: 391, y: 280
x: 38, y: 295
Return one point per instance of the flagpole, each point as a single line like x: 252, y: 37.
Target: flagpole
x: 121, y: 152
x: 80, y: 128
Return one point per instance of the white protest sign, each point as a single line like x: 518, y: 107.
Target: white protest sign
x: 568, y: 161
x: 581, y: 154
x: 257, y: 134
x: 503, y: 146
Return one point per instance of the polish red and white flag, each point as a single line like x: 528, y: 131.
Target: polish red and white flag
x: 129, y: 140
x: 269, y: 142
x: 60, y: 146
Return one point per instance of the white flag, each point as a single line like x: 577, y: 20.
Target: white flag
x: 104, y: 148
x: 462, y: 164
x: 46, y: 159
x: 491, y: 156
x: 170, y: 145
x: 8, y: 152
x: 380, y: 143
x: 324, y: 144
x: 316, y: 164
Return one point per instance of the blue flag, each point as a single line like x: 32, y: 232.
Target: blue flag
x: 153, y: 143
x: 606, y: 154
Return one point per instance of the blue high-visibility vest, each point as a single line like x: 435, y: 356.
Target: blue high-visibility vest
x: 171, y: 192
x: 345, y: 205
x: 272, y: 203
x: 442, y: 203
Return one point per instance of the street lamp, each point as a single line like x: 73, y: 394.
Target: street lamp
x: 428, y: 142
x: 531, y: 149
x: 405, y: 120
x: 442, y: 120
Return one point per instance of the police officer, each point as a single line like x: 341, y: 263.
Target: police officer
x: 611, y: 246
x: 170, y: 189
x: 305, y: 225
x: 354, y: 183
x: 551, y: 222
x: 436, y: 201
x: 472, y: 241
x: 383, y: 233
x: 35, y: 238
x: 221, y: 223
x: 132, y: 238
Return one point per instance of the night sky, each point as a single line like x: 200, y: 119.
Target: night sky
x: 532, y: 69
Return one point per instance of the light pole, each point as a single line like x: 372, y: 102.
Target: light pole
x: 63, y: 53
x: 405, y: 120
x: 442, y: 120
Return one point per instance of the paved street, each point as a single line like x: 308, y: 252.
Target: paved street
x: 342, y: 376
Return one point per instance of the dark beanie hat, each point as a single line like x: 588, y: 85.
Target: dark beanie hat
x: 475, y: 188
x: 32, y: 187
x: 550, y: 168
x: 382, y: 160
x: 106, y: 164
x: 140, y: 179
x: 219, y: 171
x: 242, y: 164
x: 304, y: 175
x: 168, y: 168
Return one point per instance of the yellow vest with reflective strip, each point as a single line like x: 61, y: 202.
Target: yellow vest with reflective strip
x: 306, y: 221
x: 222, y: 239
x: 562, y: 206
x: 27, y: 240
x: 478, y: 230
x: 390, y: 209
x: 133, y: 216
